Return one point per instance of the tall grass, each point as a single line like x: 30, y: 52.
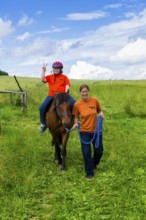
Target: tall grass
x: 32, y: 186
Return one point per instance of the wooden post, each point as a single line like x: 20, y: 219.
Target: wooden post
x: 23, y: 96
x: 11, y: 100
x: 24, y: 101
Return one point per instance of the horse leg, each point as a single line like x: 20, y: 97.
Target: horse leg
x: 63, y: 154
x: 57, y: 151
x: 63, y: 150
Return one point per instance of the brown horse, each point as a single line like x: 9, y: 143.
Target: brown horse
x: 59, y: 120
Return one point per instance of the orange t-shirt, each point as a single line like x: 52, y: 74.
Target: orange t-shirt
x: 57, y: 83
x: 87, y: 110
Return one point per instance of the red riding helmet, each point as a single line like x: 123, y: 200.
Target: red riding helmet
x: 57, y: 64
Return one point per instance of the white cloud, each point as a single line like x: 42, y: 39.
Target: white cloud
x: 113, y: 6
x: 142, y: 74
x: 38, y: 47
x: 116, y: 50
x: 5, y: 27
x: 85, y: 70
x: 52, y: 30
x: 86, y: 16
x: 129, y: 14
x: 25, y: 20
x: 98, y: 51
x: 133, y: 52
x: 23, y: 37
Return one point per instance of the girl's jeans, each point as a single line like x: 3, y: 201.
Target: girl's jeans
x: 91, y: 159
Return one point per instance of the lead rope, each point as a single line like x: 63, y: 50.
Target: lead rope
x: 98, y: 131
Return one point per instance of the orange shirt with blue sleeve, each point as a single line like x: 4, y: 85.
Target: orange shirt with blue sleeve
x: 88, y: 111
x: 57, y: 83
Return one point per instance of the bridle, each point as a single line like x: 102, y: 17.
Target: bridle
x: 61, y: 114
x: 58, y: 113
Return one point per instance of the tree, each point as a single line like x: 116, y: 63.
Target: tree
x: 3, y: 73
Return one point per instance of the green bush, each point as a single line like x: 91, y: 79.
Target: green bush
x: 3, y: 73
x: 135, y: 106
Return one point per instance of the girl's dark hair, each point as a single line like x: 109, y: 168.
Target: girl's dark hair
x: 84, y: 86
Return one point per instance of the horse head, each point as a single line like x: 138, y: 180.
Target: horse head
x: 62, y: 108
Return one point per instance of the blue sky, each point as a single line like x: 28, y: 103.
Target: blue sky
x: 94, y: 39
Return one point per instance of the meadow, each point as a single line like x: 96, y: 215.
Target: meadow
x: 32, y: 187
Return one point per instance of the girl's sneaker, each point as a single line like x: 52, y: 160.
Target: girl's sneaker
x: 42, y: 130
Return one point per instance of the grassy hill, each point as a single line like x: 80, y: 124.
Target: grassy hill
x: 32, y: 186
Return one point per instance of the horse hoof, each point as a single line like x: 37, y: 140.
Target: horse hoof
x: 56, y: 161
x: 62, y: 169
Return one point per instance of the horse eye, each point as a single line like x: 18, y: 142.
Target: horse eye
x: 59, y: 109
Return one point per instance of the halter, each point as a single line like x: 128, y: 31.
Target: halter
x: 62, y: 99
x: 60, y: 114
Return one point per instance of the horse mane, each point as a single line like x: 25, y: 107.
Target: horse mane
x: 61, y: 98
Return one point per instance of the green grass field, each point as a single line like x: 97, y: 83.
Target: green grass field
x: 32, y: 186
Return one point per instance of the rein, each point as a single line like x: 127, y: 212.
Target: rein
x: 98, y: 131
x: 70, y: 130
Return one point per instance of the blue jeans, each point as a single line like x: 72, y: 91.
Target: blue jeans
x: 44, y: 106
x: 90, y: 161
x: 72, y: 102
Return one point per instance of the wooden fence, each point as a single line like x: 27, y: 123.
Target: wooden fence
x: 23, y: 98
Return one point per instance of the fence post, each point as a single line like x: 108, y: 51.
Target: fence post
x: 23, y: 98
x: 24, y: 101
x: 11, y: 100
